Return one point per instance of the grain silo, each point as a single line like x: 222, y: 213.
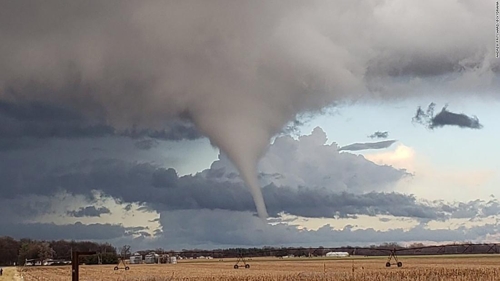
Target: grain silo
x: 151, y: 258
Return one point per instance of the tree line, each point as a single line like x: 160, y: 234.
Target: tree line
x: 16, y: 252
x: 373, y: 250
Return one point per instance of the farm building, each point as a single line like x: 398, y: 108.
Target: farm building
x: 337, y: 254
x: 136, y: 258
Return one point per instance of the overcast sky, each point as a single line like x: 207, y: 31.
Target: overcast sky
x: 194, y: 124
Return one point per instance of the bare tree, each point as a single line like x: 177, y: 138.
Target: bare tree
x: 45, y: 252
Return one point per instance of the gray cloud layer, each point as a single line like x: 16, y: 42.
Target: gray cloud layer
x: 89, y: 211
x: 368, y: 145
x: 49, y: 231
x: 303, y: 177
x: 163, y: 189
x: 445, y: 118
x: 206, y: 229
x: 39, y: 120
x: 379, y: 135
x: 326, y: 177
x: 326, y: 183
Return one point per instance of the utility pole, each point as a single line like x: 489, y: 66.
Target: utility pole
x: 75, y: 263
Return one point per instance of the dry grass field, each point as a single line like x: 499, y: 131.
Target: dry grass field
x: 368, y: 269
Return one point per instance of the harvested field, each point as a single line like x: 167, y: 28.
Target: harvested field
x: 368, y: 269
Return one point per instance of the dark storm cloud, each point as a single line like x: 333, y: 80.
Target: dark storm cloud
x: 12, y: 144
x: 324, y: 184
x: 368, y: 145
x: 146, y: 144
x: 89, y: 211
x: 205, y: 228
x: 233, y: 70
x: 25, y: 207
x: 50, y: 231
x: 176, y: 130
x: 473, y: 209
x: 163, y: 189
x: 445, y: 118
x: 292, y: 128
x: 396, y: 64
x: 41, y: 120
x: 321, y: 203
x: 220, y: 186
x: 379, y: 135
x: 22, y: 121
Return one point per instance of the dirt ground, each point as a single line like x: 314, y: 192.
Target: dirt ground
x: 9, y: 274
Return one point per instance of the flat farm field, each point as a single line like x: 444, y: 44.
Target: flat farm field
x: 429, y: 268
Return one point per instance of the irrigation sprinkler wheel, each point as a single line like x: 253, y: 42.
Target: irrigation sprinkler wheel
x: 235, y: 266
x: 116, y: 268
x: 127, y: 268
x: 247, y: 266
x: 400, y: 264
x: 387, y: 264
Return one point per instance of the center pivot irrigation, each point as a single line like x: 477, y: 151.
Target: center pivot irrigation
x: 124, y: 253
x: 241, y: 259
x: 121, y: 262
x: 395, y: 257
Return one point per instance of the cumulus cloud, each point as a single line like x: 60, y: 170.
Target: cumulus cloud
x: 303, y: 177
x: 401, y: 157
x: 162, y: 189
x: 307, y: 162
x: 310, y: 162
x: 379, y: 135
x: 368, y: 145
x: 89, y: 211
x: 234, y: 70
x: 445, y: 118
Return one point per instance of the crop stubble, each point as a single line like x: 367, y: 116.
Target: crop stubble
x: 481, y: 268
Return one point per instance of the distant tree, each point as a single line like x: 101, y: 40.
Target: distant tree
x: 9, y: 249
x: 45, y: 252
x: 416, y: 245
x: 125, y: 252
x: 107, y: 248
x: 391, y: 245
x: 29, y: 250
x: 62, y: 249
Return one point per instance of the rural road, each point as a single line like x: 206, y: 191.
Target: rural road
x: 10, y: 274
